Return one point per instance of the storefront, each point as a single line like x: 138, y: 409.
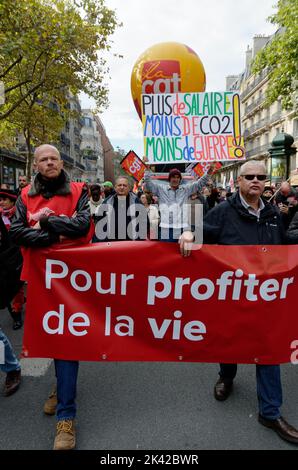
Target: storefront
x: 11, y: 166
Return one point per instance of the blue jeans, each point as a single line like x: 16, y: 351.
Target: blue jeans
x: 67, y: 374
x: 11, y: 361
x: 269, y: 390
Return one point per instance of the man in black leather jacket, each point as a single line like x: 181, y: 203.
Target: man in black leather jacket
x: 244, y: 219
x: 54, y: 210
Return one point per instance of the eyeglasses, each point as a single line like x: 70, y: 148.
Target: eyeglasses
x: 252, y: 177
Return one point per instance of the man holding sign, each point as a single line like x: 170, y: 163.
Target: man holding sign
x: 244, y: 219
x: 173, y: 202
x: 53, y: 210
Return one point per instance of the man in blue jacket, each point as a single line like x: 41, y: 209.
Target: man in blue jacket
x: 244, y: 219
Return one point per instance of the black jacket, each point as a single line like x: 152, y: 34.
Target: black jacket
x: 229, y: 223
x: 53, y: 226
x: 10, y: 267
x: 292, y: 232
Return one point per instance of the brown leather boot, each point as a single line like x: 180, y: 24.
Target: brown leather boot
x: 66, y: 435
x: 50, y: 405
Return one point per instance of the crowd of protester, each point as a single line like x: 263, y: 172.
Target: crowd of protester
x: 94, y: 205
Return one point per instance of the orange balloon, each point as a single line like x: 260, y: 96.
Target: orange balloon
x: 168, y: 67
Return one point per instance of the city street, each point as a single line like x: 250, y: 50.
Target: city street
x: 145, y: 406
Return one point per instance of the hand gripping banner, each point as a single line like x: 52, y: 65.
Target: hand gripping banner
x: 141, y: 301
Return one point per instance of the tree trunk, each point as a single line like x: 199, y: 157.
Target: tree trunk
x: 29, y: 159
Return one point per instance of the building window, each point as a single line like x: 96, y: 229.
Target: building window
x: 88, y: 122
x: 295, y: 128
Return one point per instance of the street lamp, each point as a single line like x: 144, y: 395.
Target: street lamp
x: 280, y: 152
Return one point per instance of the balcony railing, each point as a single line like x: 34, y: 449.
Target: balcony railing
x: 79, y: 165
x: 275, y: 117
x: 257, y: 150
x: 254, y: 105
x: 10, y: 154
x: 256, y: 81
x: 258, y: 125
x: 67, y: 158
x: 91, y: 157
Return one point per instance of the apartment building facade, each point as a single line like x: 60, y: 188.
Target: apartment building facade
x: 70, y: 141
x: 260, y: 124
x: 91, y: 147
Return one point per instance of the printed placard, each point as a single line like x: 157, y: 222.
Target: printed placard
x: 140, y: 301
x: 189, y: 127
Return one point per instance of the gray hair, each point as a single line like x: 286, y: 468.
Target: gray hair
x: 122, y: 178
x: 252, y: 163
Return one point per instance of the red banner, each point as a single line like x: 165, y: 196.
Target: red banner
x: 133, y: 165
x: 201, y: 168
x: 141, y: 301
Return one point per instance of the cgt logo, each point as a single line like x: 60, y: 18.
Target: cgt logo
x: 161, y: 76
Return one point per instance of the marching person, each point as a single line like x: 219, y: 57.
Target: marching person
x: 292, y: 232
x: 54, y: 210
x: 95, y: 198
x: 108, y: 189
x: 153, y: 214
x: 245, y: 219
x: 23, y: 182
x: 10, y: 270
x: 7, y: 211
x: 173, y: 202
x: 121, y: 216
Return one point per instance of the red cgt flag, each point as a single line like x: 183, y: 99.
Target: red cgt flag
x: 201, y: 168
x: 133, y: 165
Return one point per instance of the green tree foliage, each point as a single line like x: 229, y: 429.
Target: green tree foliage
x: 48, y: 49
x: 53, y: 44
x: 281, y: 56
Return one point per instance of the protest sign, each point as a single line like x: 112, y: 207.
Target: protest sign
x: 192, y: 127
x: 141, y: 301
x: 133, y: 165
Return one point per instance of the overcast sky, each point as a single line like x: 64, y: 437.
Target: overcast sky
x: 219, y: 31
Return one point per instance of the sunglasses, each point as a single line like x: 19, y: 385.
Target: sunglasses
x: 252, y: 177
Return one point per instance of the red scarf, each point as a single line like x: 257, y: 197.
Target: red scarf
x: 7, y: 215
